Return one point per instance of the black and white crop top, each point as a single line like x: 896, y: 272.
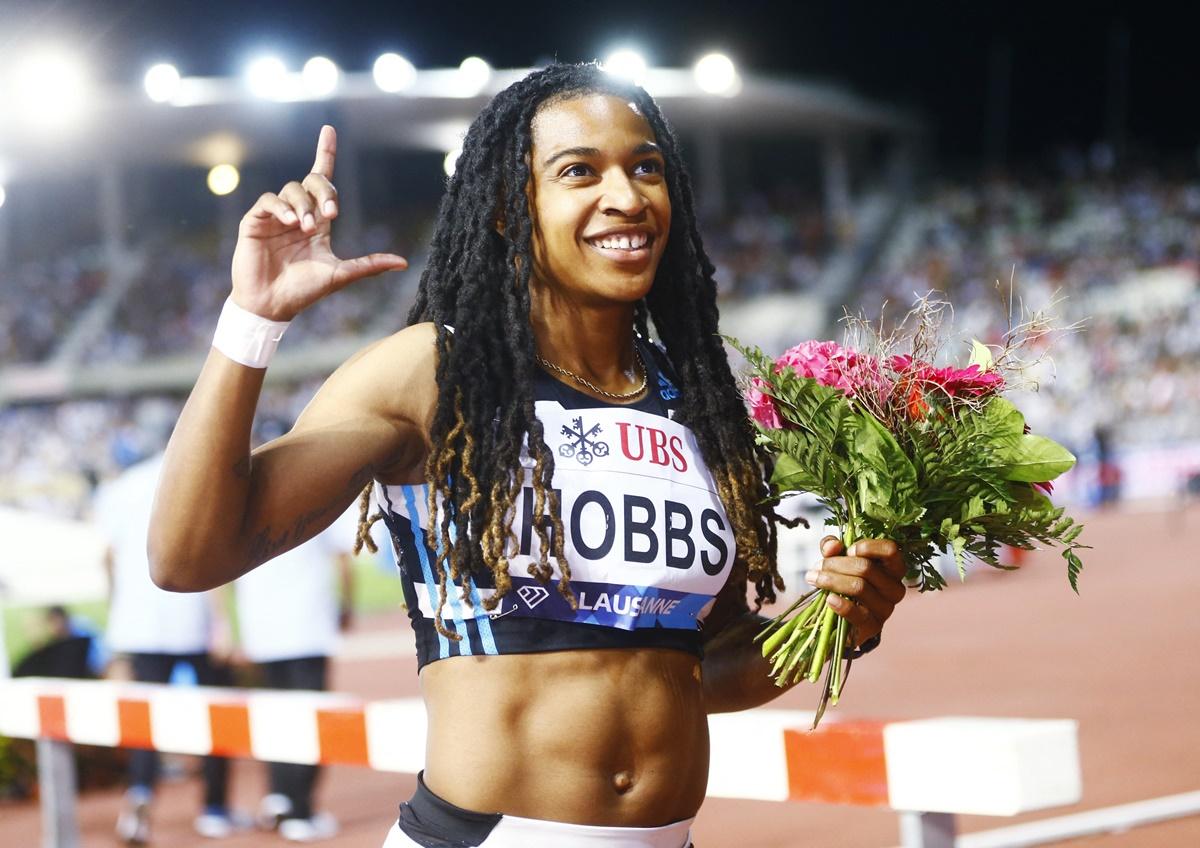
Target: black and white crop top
x: 647, y: 537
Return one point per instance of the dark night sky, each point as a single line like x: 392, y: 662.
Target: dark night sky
x: 934, y: 57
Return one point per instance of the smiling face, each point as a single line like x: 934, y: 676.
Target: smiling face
x: 600, y: 204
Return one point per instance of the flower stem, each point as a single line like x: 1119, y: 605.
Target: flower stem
x: 818, y: 662
x: 780, y: 635
x: 839, y: 645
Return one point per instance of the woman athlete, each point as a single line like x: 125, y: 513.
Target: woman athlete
x: 577, y: 510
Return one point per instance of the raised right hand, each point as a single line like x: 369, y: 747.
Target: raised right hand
x: 283, y: 261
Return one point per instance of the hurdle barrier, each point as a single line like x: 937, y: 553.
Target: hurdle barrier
x: 927, y: 770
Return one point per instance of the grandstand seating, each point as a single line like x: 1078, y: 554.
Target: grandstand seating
x: 1124, y: 254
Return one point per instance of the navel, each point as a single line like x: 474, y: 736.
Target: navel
x: 622, y: 782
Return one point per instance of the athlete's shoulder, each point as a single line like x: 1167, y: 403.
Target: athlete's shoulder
x: 408, y: 354
x: 415, y: 345
x: 395, y: 377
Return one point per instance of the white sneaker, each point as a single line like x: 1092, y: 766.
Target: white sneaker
x: 320, y: 826
x: 219, y: 825
x: 133, y: 824
x: 272, y: 809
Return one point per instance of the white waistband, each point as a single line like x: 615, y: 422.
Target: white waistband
x: 516, y: 832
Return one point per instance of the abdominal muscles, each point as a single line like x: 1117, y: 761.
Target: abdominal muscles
x: 604, y: 737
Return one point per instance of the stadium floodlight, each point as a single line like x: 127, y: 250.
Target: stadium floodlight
x: 320, y: 76
x: 627, y: 64
x: 162, y: 82
x: 50, y: 88
x: 473, y: 75
x: 716, y: 74
x: 267, y: 77
x: 393, y: 73
x: 450, y: 160
x: 223, y: 179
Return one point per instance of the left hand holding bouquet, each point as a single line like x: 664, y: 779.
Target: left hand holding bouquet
x: 867, y: 581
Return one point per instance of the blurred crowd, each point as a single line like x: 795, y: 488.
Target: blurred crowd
x: 40, y: 301
x: 1116, y: 259
x: 52, y: 456
x: 170, y: 307
x: 770, y: 243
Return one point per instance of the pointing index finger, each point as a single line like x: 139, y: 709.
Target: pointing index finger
x: 326, y: 152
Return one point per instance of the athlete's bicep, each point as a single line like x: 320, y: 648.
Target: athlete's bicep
x: 369, y: 420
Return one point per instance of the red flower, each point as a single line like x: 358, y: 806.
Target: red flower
x: 954, y: 382
x: 915, y: 401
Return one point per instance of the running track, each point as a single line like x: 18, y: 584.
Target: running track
x: 1120, y: 659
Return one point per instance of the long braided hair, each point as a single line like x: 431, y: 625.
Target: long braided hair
x: 477, y: 281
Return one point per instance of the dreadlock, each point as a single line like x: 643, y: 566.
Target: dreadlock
x: 477, y: 282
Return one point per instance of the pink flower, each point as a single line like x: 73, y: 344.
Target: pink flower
x: 811, y: 359
x: 851, y: 372
x: 762, y: 405
x: 1046, y: 487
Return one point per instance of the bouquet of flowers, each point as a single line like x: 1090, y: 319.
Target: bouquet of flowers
x: 896, y: 447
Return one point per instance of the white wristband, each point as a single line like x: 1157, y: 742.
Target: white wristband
x: 247, y: 338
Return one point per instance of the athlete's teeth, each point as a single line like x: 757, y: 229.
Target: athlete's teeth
x: 636, y: 242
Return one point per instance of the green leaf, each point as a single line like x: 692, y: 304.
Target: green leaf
x: 887, y: 480
x: 981, y: 355
x: 1074, y: 566
x: 789, y: 475
x: 959, y: 543
x: 1002, y: 418
x: 1031, y: 459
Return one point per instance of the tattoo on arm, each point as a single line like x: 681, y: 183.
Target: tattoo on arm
x: 267, y: 543
x: 359, y: 479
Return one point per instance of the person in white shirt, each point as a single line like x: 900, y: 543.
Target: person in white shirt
x: 162, y: 636
x: 290, y: 611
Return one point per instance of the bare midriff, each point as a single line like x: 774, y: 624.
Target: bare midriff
x: 601, y: 737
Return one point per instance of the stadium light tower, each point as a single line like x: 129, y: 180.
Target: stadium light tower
x: 473, y: 75
x: 162, y: 82
x: 715, y: 73
x: 626, y: 63
x: 320, y: 76
x: 223, y: 179
x: 267, y: 77
x: 392, y: 73
x: 50, y: 88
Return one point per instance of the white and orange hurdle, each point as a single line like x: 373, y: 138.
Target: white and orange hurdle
x: 927, y: 770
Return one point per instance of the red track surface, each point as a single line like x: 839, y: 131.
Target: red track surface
x: 1120, y: 659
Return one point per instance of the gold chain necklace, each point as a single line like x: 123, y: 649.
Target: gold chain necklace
x: 545, y: 363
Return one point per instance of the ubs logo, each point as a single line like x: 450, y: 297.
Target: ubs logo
x: 582, y: 445
x: 533, y: 595
x: 652, y: 445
